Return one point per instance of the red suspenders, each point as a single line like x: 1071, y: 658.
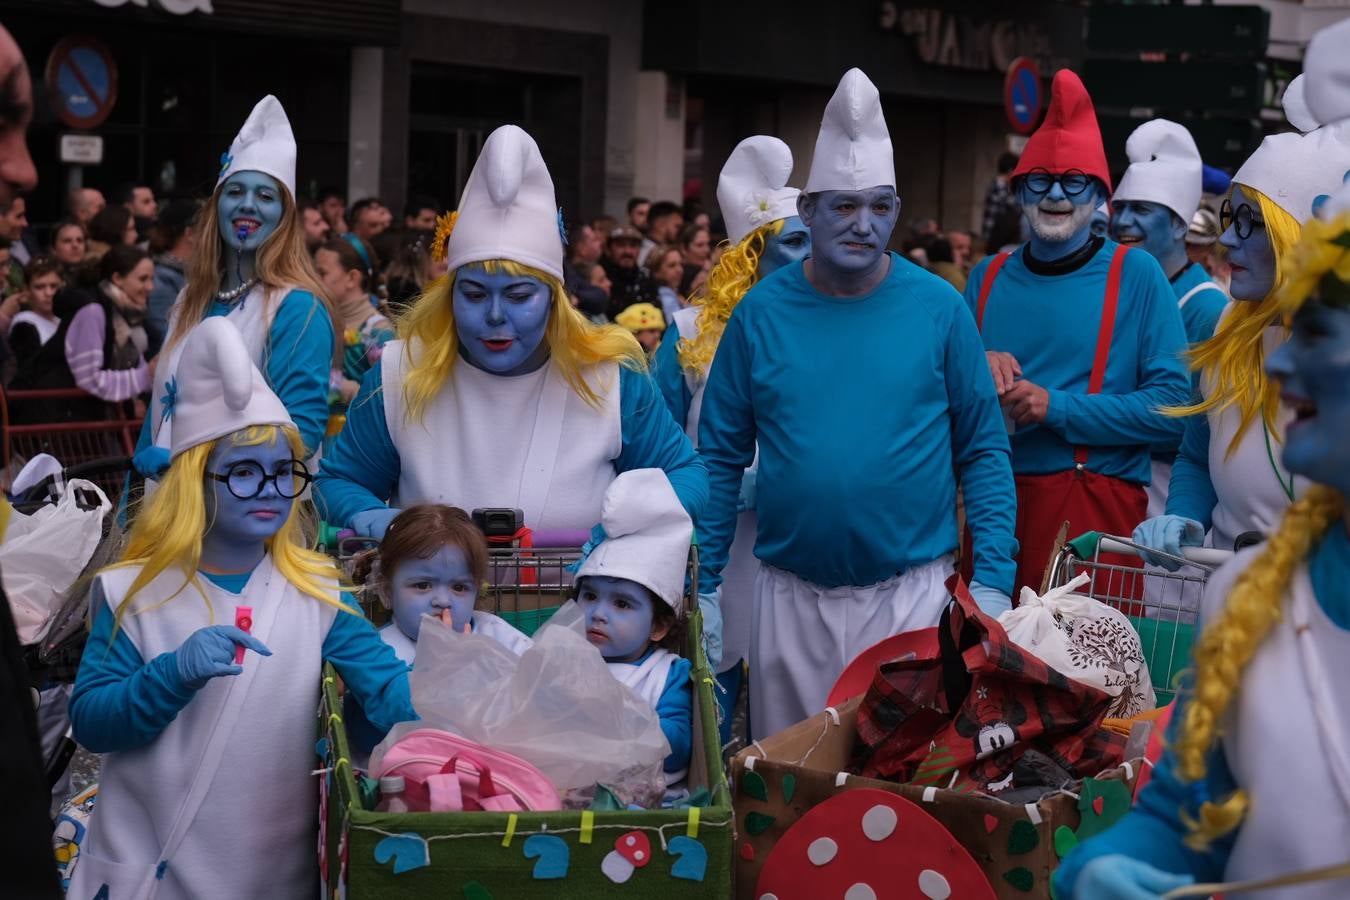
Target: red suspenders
x: 1105, y: 330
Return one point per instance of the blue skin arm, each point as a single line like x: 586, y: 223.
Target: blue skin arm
x: 676, y: 711
x: 1191, y: 493
x: 1113, y: 420
x: 1153, y: 831
x: 726, y: 440
x: 297, y: 361
x: 981, y: 455
x: 653, y: 440
x: 669, y: 376
x: 120, y: 701
x: 371, y: 670
x: 361, y: 470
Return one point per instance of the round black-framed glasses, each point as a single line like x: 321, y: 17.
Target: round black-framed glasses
x: 1243, y: 219
x: 246, y: 480
x: 1073, y: 181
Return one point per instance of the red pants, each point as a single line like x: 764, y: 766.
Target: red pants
x: 1087, y: 501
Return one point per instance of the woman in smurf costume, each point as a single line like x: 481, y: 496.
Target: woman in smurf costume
x: 1255, y: 781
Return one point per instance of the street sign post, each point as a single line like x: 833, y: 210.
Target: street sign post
x: 1023, y: 95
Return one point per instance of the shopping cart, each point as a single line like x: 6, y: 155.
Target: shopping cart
x: 1161, y: 605
x: 112, y: 435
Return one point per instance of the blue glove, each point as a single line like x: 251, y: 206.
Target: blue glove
x: 151, y: 461
x: 711, y: 607
x: 1120, y: 877
x: 373, y: 523
x: 745, y: 500
x: 992, y: 601
x: 1168, y: 534
x: 209, y: 652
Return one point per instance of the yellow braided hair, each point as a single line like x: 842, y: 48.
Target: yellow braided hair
x: 428, y: 330
x: 733, y: 276
x: 1234, y: 357
x: 1254, y: 605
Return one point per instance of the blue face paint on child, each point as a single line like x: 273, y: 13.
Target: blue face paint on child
x: 248, y: 210
x: 238, y: 528
x: 619, y: 616
x: 786, y: 247
x: 1252, y: 258
x: 849, y: 229
x: 440, y: 583
x: 1313, y: 367
x: 1153, y: 228
x: 500, y: 320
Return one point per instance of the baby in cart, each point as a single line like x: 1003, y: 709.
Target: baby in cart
x: 433, y: 561
x: 630, y: 590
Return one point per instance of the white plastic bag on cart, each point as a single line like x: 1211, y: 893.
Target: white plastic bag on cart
x: 44, y: 553
x: 556, y: 706
x: 1086, y: 640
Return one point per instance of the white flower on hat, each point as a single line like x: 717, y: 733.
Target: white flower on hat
x: 758, y: 210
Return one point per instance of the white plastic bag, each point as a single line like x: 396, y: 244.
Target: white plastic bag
x: 556, y: 706
x: 1086, y: 640
x: 44, y: 553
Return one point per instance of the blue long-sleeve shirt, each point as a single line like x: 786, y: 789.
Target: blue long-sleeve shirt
x: 866, y: 411
x: 1049, y: 322
x: 1192, y: 492
x: 1153, y: 830
x: 361, y: 471
x: 675, y: 709
x: 122, y: 701
x: 1204, y: 304
x: 296, y: 363
x: 669, y: 376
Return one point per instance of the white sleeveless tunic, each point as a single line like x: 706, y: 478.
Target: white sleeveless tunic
x: 648, y: 680
x: 738, y: 577
x: 1287, y: 741
x: 1248, y: 485
x: 528, y: 442
x: 255, y: 831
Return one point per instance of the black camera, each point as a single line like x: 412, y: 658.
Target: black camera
x: 498, y: 522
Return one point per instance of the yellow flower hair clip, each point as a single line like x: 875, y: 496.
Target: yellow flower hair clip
x: 445, y: 224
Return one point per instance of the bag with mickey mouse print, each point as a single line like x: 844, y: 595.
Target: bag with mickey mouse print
x: 962, y: 718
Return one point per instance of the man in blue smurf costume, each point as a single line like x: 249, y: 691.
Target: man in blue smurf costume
x: 865, y: 384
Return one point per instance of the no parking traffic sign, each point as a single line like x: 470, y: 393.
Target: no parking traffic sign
x: 82, y: 78
x: 1023, y: 96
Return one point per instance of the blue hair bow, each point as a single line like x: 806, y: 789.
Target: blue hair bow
x: 597, y: 538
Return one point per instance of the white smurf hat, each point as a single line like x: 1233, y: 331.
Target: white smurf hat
x: 752, y: 189
x: 508, y: 210
x: 1165, y: 168
x: 265, y: 144
x: 853, y: 149
x: 647, y: 535
x: 217, y: 390
x: 1295, y: 170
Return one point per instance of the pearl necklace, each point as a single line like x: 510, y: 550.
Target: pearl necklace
x: 235, y: 293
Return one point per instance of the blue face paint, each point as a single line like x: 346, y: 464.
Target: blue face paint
x: 1313, y: 367
x: 1252, y: 257
x: 618, y: 616
x: 439, y: 582
x: 249, y: 209
x: 237, y: 529
x: 1153, y: 228
x: 500, y: 320
x: 1100, y: 226
x: 849, y: 229
x: 1060, y: 224
x: 785, y: 247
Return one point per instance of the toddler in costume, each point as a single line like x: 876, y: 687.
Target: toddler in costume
x: 433, y: 561
x: 207, y: 789
x: 630, y: 591
x: 1255, y: 781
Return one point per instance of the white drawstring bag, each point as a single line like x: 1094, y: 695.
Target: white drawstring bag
x: 44, y: 553
x: 1086, y: 640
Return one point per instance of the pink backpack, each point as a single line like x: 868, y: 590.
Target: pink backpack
x: 444, y: 772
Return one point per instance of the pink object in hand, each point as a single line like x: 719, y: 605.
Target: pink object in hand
x: 243, y: 620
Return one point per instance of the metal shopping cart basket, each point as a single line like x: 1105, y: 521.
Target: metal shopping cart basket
x: 488, y: 854
x: 1161, y: 605
x: 111, y: 436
